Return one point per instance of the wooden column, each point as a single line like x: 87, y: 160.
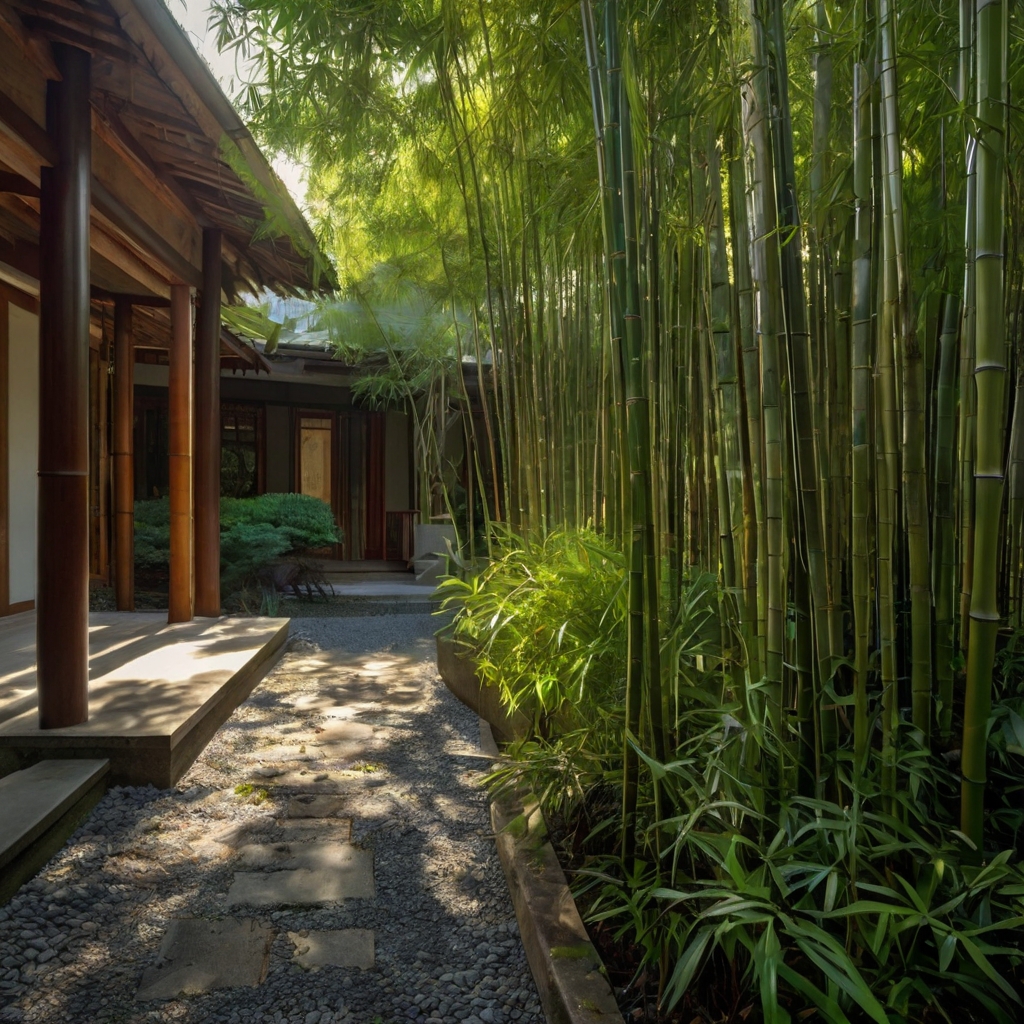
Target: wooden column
x: 62, y: 584
x: 180, y: 402
x: 124, y: 457
x: 207, y: 451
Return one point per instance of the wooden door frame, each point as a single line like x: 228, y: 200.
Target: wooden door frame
x: 376, y: 462
x: 310, y: 412
x: 377, y: 475
x: 8, y: 296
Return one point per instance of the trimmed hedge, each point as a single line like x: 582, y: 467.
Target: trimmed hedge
x: 253, y: 532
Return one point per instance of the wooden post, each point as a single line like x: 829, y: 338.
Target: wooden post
x: 208, y: 429
x: 180, y: 597
x: 101, y: 439
x: 62, y: 584
x: 124, y: 457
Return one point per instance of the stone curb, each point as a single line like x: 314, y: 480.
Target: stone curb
x: 567, y: 969
x: 458, y: 671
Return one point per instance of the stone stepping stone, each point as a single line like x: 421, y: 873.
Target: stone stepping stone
x: 297, y: 854
x: 308, y: 779
x: 283, y: 754
x: 339, y: 731
x: 348, y: 876
x: 348, y: 712
x: 198, y: 956
x: 334, y: 830
x: 312, y: 805
x: 344, y: 947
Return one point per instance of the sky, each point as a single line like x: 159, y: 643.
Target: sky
x: 193, y: 15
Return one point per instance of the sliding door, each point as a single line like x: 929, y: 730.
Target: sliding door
x: 361, y: 485
x: 316, y: 456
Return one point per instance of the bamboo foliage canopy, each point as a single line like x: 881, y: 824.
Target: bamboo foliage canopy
x: 772, y: 331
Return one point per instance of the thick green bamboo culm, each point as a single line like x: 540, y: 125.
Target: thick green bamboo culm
x: 862, y: 429
x: 944, y: 571
x: 766, y: 288
x: 767, y: 338
x: 990, y: 374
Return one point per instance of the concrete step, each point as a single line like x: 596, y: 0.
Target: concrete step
x: 430, y: 570
x: 42, y: 806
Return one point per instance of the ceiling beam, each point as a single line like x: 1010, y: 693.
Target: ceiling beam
x: 36, y: 49
x: 15, y: 184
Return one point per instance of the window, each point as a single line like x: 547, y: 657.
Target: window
x: 241, y: 463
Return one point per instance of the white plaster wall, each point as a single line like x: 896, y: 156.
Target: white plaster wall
x: 23, y: 427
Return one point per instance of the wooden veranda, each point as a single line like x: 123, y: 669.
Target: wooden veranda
x: 131, y: 200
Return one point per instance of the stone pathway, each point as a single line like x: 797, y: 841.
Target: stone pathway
x: 328, y: 859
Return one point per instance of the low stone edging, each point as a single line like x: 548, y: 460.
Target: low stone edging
x: 567, y: 969
x: 459, y: 675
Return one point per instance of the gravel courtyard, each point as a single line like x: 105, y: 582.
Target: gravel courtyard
x: 350, y: 765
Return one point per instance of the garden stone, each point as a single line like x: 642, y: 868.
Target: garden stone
x: 315, y: 806
x: 198, y: 956
x: 347, y: 947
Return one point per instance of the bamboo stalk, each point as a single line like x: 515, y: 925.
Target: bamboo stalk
x: 990, y: 379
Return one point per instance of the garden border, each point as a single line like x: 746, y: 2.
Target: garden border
x: 567, y: 969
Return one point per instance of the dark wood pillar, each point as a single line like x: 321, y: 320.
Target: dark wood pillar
x: 207, y: 452
x: 180, y: 401
x: 62, y: 584
x: 124, y: 457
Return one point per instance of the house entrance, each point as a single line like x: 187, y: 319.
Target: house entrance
x: 341, y: 461
x: 361, y: 490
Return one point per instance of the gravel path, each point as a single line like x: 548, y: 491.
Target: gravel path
x: 355, y: 711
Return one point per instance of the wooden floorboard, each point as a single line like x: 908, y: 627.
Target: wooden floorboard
x: 157, y: 692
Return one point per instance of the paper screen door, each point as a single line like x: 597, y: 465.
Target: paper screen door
x: 316, y: 457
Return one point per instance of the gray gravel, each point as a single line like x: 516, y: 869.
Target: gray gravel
x: 75, y: 941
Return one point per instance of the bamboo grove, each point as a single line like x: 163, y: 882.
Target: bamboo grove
x: 743, y: 279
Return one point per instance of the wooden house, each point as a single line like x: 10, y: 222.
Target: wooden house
x: 130, y: 198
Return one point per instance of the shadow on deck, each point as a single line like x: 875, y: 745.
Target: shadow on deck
x: 157, y: 692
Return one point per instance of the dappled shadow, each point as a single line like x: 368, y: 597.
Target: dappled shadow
x: 149, y: 678
x: 402, y: 757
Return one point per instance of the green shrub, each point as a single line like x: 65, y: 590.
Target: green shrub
x: 743, y: 904
x: 307, y: 522
x: 546, y: 624
x: 153, y: 533
x: 254, y: 532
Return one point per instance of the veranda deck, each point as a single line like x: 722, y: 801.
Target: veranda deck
x: 157, y: 692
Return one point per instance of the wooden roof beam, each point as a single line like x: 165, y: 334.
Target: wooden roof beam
x: 22, y: 129
x: 109, y: 126
x: 139, y: 232
x: 34, y: 47
x: 16, y: 185
x: 154, y: 30
x: 108, y: 297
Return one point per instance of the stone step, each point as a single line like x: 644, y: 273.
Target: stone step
x: 42, y: 806
x: 343, y: 947
x: 430, y: 570
x: 327, y: 873
x: 199, y: 956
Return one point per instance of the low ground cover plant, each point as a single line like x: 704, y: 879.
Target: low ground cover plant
x: 254, y: 533
x: 751, y: 893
